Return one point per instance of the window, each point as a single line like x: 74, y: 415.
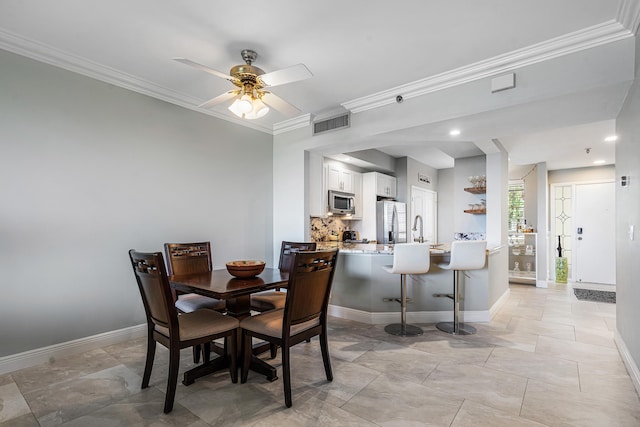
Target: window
x: 516, y: 205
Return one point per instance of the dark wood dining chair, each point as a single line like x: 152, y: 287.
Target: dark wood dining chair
x: 174, y: 331
x: 270, y: 300
x: 303, y: 316
x: 191, y: 258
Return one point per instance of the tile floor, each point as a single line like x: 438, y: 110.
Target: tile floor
x: 546, y: 359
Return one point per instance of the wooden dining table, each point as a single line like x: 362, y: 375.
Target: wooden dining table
x: 236, y: 292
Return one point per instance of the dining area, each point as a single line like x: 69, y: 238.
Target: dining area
x: 493, y: 377
x: 219, y: 312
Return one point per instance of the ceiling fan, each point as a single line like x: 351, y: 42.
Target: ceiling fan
x: 252, y: 100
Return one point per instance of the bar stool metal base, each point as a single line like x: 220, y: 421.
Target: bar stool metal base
x: 403, y: 330
x: 450, y: 328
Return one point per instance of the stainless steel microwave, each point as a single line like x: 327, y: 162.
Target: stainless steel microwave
x: 342, y: 203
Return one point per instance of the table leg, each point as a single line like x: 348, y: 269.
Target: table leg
x: 239, y: 308
x: 199, y: 371
x: 260, y: 366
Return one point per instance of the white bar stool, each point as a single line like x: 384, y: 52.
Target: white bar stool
x: 465, y: 255
x: 408, y: 258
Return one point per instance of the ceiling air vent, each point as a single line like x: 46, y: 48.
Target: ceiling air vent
x: 333, y: 123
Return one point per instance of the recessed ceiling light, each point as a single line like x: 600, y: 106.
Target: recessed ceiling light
x: 599, y: 162
x: 454, y: 132
x: 611, y: 138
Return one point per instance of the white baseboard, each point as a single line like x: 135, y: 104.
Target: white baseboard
x: 542, y: 284
x: 384, y: 318
x: 498, y: 305
x: 38, y: 356
x: 632, y: 367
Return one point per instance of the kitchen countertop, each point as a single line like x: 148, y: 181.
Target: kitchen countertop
x: 373, y: 248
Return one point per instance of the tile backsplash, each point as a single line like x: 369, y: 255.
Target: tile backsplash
x: 470, y: 236
x: 322, y: 228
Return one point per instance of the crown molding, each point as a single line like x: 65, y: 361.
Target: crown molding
x: 629, y: 15
x: 49, y: 55
x: 291, y: 124
x: 577, y: 41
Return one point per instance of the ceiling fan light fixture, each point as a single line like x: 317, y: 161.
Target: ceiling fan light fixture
x: 235, y: 109
x: 260, y: 108
x: 249, y: 81
x: 256, y: 109
x: 242, y: 105
x: 245, y: 103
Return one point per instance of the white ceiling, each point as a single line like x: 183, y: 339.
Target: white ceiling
x: 355, y: 50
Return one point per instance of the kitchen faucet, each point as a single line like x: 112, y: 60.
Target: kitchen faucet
x: 415, y: 228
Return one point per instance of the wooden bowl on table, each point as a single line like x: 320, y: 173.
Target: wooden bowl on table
x: 244, y: 269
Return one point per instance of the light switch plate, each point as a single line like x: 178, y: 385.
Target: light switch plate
x: 631, y: 232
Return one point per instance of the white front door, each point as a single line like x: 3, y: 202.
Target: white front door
x: 423, y: 203
x: 594, y: 233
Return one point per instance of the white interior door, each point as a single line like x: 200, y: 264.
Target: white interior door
x: 424, y: 203
x: 594, y: 234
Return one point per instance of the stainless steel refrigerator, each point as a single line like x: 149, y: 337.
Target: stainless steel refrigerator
x: 391, y: 222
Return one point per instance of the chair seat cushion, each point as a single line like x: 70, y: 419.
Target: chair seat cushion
x: 187, y: 303
x: 201, y: 323
x: 270, y: 323
x: 268, y: 300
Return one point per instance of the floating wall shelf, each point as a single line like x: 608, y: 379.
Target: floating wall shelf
x: 476, y: 190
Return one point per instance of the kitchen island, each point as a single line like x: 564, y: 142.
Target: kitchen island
x: 362, y: 288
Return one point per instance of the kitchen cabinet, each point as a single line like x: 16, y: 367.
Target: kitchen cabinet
x: 380, y: 185
x: 385, y: 185
x: 339, y: 179
x: 523, y: 256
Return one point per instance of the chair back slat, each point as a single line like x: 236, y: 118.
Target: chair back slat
x: 188, y: 258
x: 289, y: 249
x: 154, y: 288
x: 309, y: 287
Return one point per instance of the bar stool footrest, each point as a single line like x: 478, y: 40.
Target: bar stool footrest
x: 450, y: 296
x: 398, y: 300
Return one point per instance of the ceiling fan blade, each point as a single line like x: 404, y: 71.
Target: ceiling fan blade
x: 279, y: 104
x: 220, y: 98
x: 286, y: 75
x: 204, y: 68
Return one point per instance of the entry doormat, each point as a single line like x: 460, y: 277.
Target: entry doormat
x: 594, y: 295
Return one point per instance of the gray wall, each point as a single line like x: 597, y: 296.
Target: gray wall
x: 596, y: 173
x: 627, y: 214
x: 88, y: 171
x: 446, y: 205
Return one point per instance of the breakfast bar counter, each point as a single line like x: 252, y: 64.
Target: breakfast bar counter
x: 364, y: 291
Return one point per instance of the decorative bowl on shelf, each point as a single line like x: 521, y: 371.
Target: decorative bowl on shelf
x: 244, y: 269
x: 516, y: 251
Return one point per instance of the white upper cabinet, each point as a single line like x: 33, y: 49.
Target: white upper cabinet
x: 340, y: 179
x: 385, y: 185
